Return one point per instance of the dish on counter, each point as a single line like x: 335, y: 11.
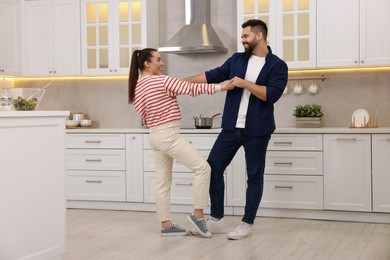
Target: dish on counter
x: 360, y: 117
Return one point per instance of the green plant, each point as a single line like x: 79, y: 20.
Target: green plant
x: 311, y: 110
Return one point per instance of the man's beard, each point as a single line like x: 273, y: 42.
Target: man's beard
x: 251, y: 46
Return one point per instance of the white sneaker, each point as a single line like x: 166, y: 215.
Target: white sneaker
x: 242, y: 231
x: 215, y: 226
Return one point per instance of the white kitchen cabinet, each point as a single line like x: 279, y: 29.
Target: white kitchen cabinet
x: 10, y: 41
x: 95, y: 167
x: 52, y: 37
x: 293, y: 176
x: 134, y: 168
x: 380, y: 172
x: 362, y: 39
x: 291, y: 28
x: 347, y: 172
x: 112, y: 29
x: 182, y: 189
x: 33, y: 213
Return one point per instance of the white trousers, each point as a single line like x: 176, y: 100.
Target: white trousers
x: 168, y: 145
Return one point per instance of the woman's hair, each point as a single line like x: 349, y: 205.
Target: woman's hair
x: 257, y: 26
x: 138, y: 63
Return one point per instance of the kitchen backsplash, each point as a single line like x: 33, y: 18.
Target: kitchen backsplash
x: 106, y: 100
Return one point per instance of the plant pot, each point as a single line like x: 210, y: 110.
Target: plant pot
x: 308, y: 122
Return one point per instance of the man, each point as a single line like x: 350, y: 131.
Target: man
x: 259, y: 78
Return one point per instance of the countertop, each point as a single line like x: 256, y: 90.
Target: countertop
x: 281, y: 130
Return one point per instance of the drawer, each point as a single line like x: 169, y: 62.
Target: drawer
x: 199, y: 141
x: 149, y: 164
x: 297, y: 192
x: 93, y: 159
x: 298, y: 142
x: 90, y: 185
x: 182, y: 189
x: 98, y: 141
x: 302, y: 163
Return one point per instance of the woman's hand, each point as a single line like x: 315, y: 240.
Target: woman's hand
x: 228, y: 85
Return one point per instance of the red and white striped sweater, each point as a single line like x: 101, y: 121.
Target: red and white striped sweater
x: 156, y: 97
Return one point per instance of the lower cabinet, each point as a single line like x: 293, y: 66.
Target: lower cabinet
x: 347, y: 172
x: 95, y: 167
x: 293, y: 176
x: 381, y: 173
x: 308, y: 171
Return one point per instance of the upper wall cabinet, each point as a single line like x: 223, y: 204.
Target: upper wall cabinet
x: 9, y: 32
x: 52, y: 37
x: 291, y: 28
x: 111, y: 30
x: 353, y: 32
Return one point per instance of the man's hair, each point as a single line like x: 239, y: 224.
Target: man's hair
x: 257, y: 26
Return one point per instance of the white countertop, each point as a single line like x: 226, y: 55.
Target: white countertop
x: 281, y: 130
x: 9, y: 114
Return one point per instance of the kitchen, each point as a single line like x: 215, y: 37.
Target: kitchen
x: 104, y: 99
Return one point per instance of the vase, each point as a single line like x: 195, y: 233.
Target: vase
x: 308, y: 122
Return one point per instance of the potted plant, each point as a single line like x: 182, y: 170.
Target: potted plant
x: 308, y: 115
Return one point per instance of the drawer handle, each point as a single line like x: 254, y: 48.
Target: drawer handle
x: 91, y: 181
x: 388, y: 139
x: 183, y: 183
x: 283, y: 163
x: 346, y: 139
x: 283, y: 143
x: 283, y: 187
x: 93, y: 160
x: 93, y: 141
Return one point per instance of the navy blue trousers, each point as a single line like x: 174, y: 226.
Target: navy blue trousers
x: 222, y: 153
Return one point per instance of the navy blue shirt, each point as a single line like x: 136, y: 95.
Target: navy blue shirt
x: 260, y: 115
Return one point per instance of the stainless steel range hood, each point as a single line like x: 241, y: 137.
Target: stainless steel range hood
x: 197, y: 36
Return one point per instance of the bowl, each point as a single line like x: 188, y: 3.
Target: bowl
x: 85, y: 122
x: 72, y: 123
x: 24, y: 99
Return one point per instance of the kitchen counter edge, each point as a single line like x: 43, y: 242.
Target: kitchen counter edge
x: 281, y: 130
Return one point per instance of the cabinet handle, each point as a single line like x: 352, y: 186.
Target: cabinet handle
x: 184, y: 183
x: 346, y: 139
x: 91, y: 181
x: 283, y: 187
x: 283, y: 143
x: 93, y: 160
x: 283, y: 163
x: 387, y: 139
x: 93, y: 141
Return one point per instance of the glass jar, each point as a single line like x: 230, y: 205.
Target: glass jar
x: 5, y: 103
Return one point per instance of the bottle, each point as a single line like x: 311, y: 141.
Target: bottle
x: 5, y: 103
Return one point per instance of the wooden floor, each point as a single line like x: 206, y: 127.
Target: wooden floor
x: 112, y: 235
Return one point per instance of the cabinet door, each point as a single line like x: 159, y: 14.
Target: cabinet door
x: 296, y: 32
x: 66, y: 37
x: 347, y: 172
x: 134, y: 168
x: 337, y: 33
x: 110, y: 31
x: 381, y: 172
x: 38, y: 33
x: 374, y: 32
x: 52, y: 31
x: 9, y: 30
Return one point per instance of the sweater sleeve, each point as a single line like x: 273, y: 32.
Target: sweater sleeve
x: 176, y: 87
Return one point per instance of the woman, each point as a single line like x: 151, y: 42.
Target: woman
x: 155, y: 98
